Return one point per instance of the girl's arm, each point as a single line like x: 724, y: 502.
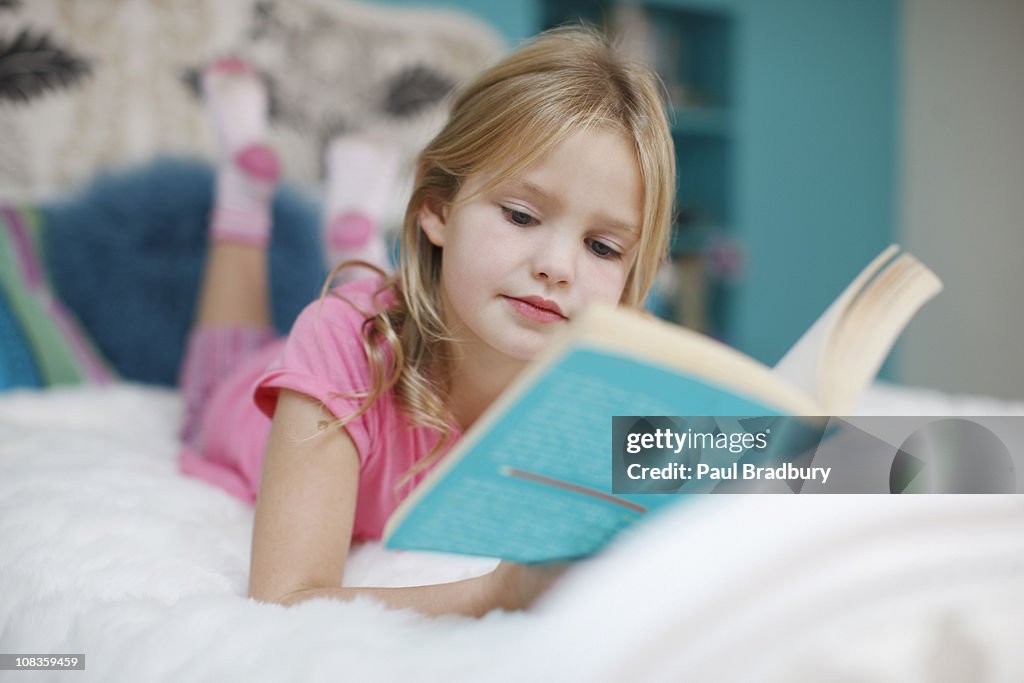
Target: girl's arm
x: 303, y: 527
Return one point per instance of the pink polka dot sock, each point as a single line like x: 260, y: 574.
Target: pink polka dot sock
x: 248, y: 169
x: 361, y: 174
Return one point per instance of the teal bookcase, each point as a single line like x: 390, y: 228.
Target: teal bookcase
x: 787, y: 146
x: 816, y: 173
x: 787, y: 139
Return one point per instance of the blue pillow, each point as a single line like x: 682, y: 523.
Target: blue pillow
x: 126, y: 255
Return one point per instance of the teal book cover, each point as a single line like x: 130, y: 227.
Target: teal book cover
x: 537, y: 485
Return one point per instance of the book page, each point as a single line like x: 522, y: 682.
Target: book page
x: 802, y: 365
x: 868, y: 332
x: 690, y: 353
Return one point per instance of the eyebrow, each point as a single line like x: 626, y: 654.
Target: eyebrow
x: 619, y: 226
x: 522, y: 185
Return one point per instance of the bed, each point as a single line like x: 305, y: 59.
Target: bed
x: 107, y: 551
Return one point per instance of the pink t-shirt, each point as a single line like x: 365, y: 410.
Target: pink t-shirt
x: 323, y: 357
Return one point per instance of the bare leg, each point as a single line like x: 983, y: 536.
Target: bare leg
x: 234, y: 286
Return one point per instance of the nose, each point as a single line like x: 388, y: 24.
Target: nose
x: 554, y: 261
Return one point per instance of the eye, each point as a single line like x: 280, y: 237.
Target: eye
x: 601, y: 249
x: 519, y: 218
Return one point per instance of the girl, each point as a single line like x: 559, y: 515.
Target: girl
x: 550, y: 188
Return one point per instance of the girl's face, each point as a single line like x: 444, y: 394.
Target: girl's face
x: 522, y: 259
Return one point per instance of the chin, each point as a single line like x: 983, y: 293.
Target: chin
x: 524, y: 356
x: 524, y: 349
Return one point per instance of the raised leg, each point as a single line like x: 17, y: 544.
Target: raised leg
x: 235, y: 284
x: 361, y: 179
x: 233, y: 317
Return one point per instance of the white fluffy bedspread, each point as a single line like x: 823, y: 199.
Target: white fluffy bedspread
x: 106, y: 550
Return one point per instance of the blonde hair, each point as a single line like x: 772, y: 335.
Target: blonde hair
x: 509, y: 117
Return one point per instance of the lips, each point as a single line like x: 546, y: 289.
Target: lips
x: 537, y: 308
x: 539, y: 302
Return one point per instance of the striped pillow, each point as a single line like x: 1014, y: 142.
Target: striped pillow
x: 40, y: 343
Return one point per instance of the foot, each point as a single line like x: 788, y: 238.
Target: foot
x: 236, y: 105
x: 361, y: 177
x: 248, y: 169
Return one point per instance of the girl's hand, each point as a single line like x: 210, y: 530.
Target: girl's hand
x: 517, y: 586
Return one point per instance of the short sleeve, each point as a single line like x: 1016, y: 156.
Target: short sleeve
x: 324, y: 358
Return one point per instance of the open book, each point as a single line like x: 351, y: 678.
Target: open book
x: 532, y: 479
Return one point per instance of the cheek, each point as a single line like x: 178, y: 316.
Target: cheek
x: 480, y: 250
x: 471, y: 271
x: 463, y: 270
x: 606, y: 281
